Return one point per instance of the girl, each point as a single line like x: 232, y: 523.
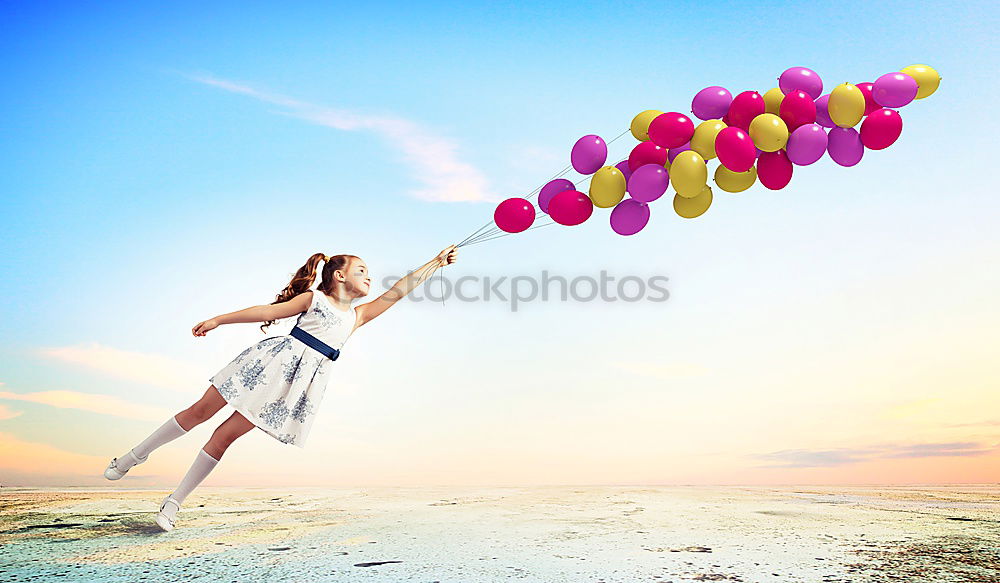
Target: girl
x: 278, y: 383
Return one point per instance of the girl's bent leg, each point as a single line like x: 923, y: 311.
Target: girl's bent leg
x: 229, y: 431
x: 202, y: 410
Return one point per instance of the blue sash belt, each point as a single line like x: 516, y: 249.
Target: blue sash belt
x: 309, y: 339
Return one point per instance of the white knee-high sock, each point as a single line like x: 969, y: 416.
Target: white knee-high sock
x: 202, y: 466
x: 169, y: 431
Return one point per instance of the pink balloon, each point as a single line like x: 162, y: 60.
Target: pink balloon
x: 801, y: 79
x: 894, y: 90
x: 797, y: 109
x: 648, y: 182
x: 845, y: 146
x: 866, y: 90
x: 623, y: 167
x: 806, y: 144
x: 745, y: 107
x: 646, y: 153
x: 589, y: 154
x: 711, y: 102
x: 552, y: 188
x: 629, y: 216
x: 570, y: 207
x: 881, y: 129
x: 774, y: 169
x: 672, y: 152
x: 823, y: 112
x: 514, y: 215
x: 735, y: 149
x: 669, y: 130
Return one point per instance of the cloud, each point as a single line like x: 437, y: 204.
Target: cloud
x: 139, y: 367
x: 28, y: 463
x: 432, y: 158
x: 808, y: 458
x: 103, y: 404
x: 7, y: 413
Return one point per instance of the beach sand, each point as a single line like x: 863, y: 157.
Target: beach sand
x: 545, y: 534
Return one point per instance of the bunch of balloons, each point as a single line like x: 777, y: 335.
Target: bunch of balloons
x: 755, y: 137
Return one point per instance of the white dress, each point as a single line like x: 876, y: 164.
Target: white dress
x: 279, y: 382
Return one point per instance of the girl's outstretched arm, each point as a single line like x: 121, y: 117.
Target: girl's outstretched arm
x: 296, y: 305
x: 367, y: 312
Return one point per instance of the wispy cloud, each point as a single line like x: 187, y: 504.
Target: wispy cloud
x: 29, y: 463
x: 807, y: 458
x: 144, y: 368
x: 8, y: 413
x: 103, y: 404
x: 433, y: 159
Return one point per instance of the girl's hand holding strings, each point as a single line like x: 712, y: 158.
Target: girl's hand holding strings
x: 202, y: 328
x: 448, y: 256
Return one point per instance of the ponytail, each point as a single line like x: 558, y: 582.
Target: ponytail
x: 303, y: 279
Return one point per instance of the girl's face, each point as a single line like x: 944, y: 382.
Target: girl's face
x: 356, y: 279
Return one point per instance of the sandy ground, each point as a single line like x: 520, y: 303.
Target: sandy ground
x: 546, y: 534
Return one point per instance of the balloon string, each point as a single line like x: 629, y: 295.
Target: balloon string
x: 507, y: 234
x: 480, y: 233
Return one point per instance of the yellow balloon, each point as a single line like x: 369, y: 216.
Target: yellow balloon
x: 640, y: 124
x: 846, y: 105
x: 927, y: 79
x: 735, y: 181
x: 690, y: 208
x: 667, y: 164
x: 772, y: 100
x: 769, y: 132
x: 607, y: 187
x: 688, y: 173
x: 703, y: 140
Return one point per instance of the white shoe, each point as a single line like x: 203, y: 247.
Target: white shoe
x: 168, y: 513
x: 114, y: 473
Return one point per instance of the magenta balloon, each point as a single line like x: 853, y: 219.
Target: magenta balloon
x: 648, y: 182
x: 774, y: 169
x: 629, y: 216
x: 623, y: 167
x: 646, y: 153
x: 894, y: 90
x: 551, y: 189
x: 589, y: 154
x: 806, y: 144
x: 881, y: 129
x: 711, y: 103
x: 866, y: 90
x: 745, y: 107
x: 801, y: 79
x: 570, y: 207
x: 735, y: 149
x: 670, y: 130
x: 845, y: 146
x: 672, y: 152
x: 823, y: 112
x: 797, y: 109
x: 514, y: 215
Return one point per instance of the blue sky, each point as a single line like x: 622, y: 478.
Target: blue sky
x: 164, y: 165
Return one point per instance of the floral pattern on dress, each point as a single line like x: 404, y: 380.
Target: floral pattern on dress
x: 302, y: 408
x: 293, y: 369
x: 251, y: 374
x: 227, y: 390
x: 275, y: 413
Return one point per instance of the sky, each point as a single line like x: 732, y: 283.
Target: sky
x: 163, y: 165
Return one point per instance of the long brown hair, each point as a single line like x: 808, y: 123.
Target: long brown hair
x: 305, y: 277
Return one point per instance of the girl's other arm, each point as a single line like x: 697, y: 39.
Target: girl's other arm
x: 371, y: 310
x: 296, y: 305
